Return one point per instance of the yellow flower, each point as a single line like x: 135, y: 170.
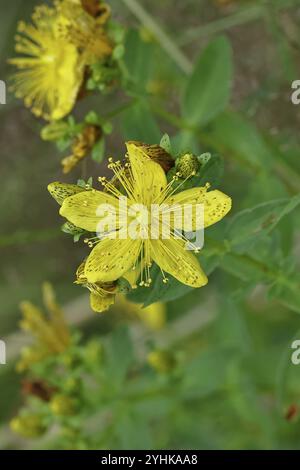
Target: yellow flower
x: 51, y: 70
x: 102, y: 295
x: 51, y: 334
x: 83, y: 26
x: 56, y: 49
x: 143, y: 182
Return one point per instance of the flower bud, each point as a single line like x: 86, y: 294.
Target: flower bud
x: 54, y: 131
x: 72, y: 385
x: 161, y: 361
x: 94, y: 352
x: 29, y: 426
x: 62, y: 405
x: 187, y: 165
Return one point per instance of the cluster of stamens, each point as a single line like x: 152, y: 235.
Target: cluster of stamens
x: 123, y: 175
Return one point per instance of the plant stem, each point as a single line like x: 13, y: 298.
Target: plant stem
x: 23, y: 237
x: 242, y: 16
x: 166, y: 42
x: 120, y: 109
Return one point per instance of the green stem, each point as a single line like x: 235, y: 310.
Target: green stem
x: 245, y: 15
x: 120, y: 109
x: 23, y: 237
x: 166, y: 42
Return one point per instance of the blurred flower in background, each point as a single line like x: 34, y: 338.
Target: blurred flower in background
x: 57, y: 49
x: 51, y: 334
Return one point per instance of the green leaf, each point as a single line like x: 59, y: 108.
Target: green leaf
x: 98, y: 151
x: 138, y: 58
x: 244, y: 268
x: 120, y: 355
x: 206, y: 373
x: 232, y: 134
x: 210, y: 172
x: 286, y: 288
x: 133, y: 430
x: 139, y: 124
x: 165, y: 143
x: 208, y: 89
x: 250, y: 224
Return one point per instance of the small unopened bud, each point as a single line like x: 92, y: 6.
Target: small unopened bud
x: 187, y: 165
x: 72, y: 385
x: 62, y: 405
x: 94, y: 352
x: 54, y: 131
x: 161, y: 361
x: 29, y: 426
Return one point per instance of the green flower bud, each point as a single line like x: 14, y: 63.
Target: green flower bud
x: 161, y: 361
x: 63, y: 405
x: 72, y: 385
x: 94, y: 352
x: 54, y: 131
x: 28, y: 426
x: 187, y: 165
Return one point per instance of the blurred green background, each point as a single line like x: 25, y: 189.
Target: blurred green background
x: 236, y: 338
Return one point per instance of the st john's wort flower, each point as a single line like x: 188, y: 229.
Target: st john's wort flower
x: 143, y: 182
x: 51, y: 333
x: 56, y: 49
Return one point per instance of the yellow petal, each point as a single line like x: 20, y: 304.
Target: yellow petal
x: 110, y: 259
x: 101, y: 303
x: 81, y: 209
x: 149, y: 177
x: 215, y: 204
x: 171, y: 257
